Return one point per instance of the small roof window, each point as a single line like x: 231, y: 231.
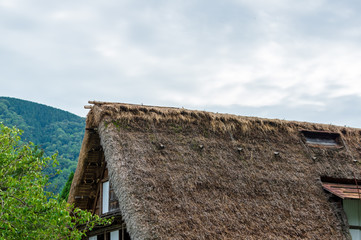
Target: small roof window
x: 328, y: 139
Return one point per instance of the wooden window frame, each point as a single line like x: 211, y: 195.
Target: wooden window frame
x: 106, y: 233
x: 101, y: 199
x: 101, y: 193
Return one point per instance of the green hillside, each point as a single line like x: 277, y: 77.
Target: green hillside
x: 52, y: 129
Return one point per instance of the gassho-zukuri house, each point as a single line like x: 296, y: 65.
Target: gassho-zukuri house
x: 169, y: 173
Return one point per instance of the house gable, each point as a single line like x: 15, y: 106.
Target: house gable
x: 88, y: 193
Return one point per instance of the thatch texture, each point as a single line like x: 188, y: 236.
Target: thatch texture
x: 183, y: 174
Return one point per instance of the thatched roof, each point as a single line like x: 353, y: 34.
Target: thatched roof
x: 182, y: 174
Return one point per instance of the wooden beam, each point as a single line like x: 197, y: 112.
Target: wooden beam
x: 98, y: 102
x: 82, y: 197
x: 92, y: 130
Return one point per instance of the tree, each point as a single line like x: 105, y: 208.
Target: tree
x: 27, y: 211
x: 66, y: 189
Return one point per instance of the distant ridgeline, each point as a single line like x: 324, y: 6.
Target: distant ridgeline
x: 53, y: 130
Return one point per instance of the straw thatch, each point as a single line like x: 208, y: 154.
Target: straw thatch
x: 182, y: 174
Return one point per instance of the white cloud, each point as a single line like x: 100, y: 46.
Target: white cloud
x: 248, y: 53
x: 9, y: 4
x: 73, y: 15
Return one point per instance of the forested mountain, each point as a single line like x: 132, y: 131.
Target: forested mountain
x: 53, y: 130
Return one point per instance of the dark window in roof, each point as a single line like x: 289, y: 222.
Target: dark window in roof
x: 322, y: 138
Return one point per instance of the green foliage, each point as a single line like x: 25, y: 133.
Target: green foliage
x: 53, y: 130
x: 27, y: 211
x: 66, y: 189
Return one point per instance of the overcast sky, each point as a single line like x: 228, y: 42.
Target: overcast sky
x: 286, y: 59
